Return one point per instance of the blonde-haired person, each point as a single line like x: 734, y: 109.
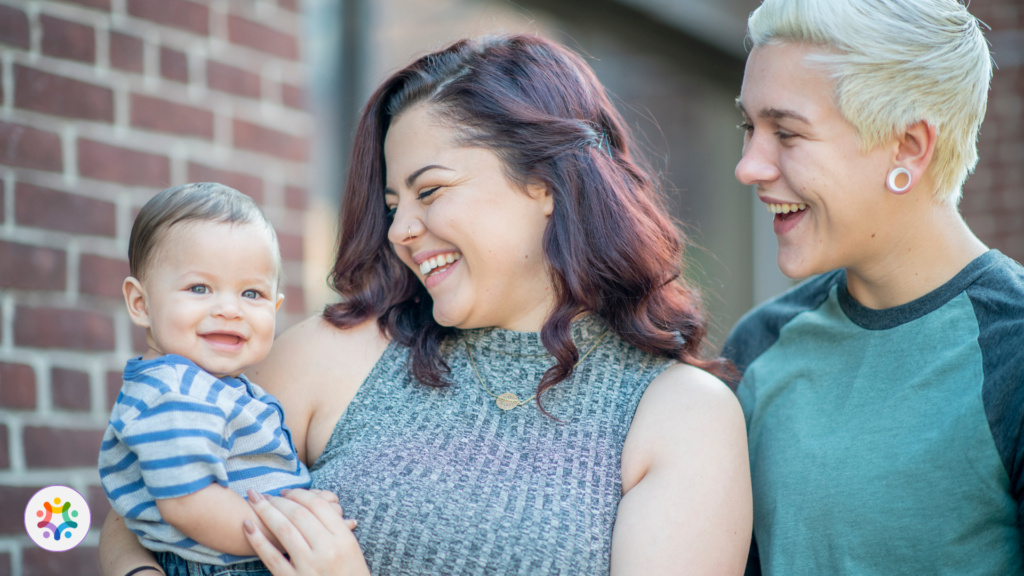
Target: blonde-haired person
x: 884, y: 398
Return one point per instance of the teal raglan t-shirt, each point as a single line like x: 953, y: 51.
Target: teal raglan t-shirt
x: 887, y: 441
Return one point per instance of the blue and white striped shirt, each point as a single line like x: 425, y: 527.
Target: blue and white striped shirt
x: 176, y: 429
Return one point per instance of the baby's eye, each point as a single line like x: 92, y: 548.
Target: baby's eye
x: 199, y: 289
x: 250, y: 294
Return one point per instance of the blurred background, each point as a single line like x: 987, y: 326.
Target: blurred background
x: 105, y: 102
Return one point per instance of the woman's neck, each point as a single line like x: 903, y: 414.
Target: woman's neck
x: 933, y: 245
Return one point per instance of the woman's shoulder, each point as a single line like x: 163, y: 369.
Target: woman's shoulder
x: 315, y: 352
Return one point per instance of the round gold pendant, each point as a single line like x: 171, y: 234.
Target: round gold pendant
x: 507, y: 401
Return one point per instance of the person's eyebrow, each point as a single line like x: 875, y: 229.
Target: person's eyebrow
x: 416, y: 174
x: 776, y: 114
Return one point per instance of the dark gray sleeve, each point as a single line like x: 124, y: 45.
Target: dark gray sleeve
x: 998, y: 299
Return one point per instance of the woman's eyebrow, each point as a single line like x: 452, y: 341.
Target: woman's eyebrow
x: 412, y: 177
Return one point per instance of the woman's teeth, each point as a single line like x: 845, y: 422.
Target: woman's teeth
x: 785, y: 208
x: 438, y: 261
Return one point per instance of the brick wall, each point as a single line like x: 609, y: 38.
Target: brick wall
x: 104, y: 103
x: 993, y: 202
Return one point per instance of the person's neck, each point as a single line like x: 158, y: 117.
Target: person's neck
x: 931, y: 248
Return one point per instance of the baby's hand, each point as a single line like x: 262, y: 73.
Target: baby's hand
x: 333, y: 499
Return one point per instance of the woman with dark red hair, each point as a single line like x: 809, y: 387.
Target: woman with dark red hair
x: 511, y: 383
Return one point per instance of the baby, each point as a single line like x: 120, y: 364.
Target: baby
x: 189, y: 435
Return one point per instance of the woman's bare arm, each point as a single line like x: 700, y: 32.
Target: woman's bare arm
x: 120, y: 551
x: 686, y: 505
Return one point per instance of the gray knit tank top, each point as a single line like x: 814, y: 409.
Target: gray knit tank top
x: 442, y: 481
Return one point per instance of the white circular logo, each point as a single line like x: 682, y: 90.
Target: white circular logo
x: 57, y: 518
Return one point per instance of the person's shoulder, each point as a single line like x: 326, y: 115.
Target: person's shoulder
x: 314, y: 349
x: 759, y: 328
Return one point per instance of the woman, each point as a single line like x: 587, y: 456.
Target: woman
x: 511, y: 383
x: 884, y: 397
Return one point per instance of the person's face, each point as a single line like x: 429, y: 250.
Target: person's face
x: 209, y: 294
x: 471, y: 237
x: 829, y: 198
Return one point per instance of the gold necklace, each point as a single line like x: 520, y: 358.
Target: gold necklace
x: 508, y: 400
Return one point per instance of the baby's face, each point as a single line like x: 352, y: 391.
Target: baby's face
x: 211, y: 295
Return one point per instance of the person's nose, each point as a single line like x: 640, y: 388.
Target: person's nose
x: 759, y: 164
x: 406, y: 226
x: 228, y: 306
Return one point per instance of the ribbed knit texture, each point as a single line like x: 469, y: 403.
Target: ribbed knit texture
x: 442, y: 481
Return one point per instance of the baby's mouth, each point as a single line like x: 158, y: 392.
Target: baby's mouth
x: 223, y: 338
x: 439, y: 263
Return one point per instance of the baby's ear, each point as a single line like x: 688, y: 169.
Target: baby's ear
x: 135, y: 300
x: 280, y: 300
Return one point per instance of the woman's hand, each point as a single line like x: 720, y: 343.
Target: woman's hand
x: 310, y: 527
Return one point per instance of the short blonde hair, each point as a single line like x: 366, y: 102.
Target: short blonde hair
x: 894, y: 63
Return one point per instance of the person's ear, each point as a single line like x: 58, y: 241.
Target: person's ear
x: 915, y: 147
x: 280, y: 300
x: 541, y: 194
x: 135, y: 300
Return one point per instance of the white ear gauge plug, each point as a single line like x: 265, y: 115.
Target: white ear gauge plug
x: 894, y: 175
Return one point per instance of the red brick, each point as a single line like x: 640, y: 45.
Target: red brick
x: 25, y: 267
x: 247, y: 184
x: 13, y: 500
x: 293, y: 96
x: 47, y: 447
x: 101, y: 276
x: 30, y: 148
x: 173, y: 65
x: 126, y: 52
x: 260, y: 139
x: 113, y: 382
x: 79, y: 561
x: 175, y: 13
x: 13, y: 27
x: 63, y: 328
x: 63, y: 39
x: 259, y: 37
x: 291, y: 246
x: 102, y: 4
x: 19, y: 386
x: 232, y: 80
x: 112, y: 163
x: 46, y: 208
x: 60, y: 96
x: 99, y: 506
x: 295, y: 197
x: 294, y: 300
x: 292, y: 5
x: 69, y: 389
x: 165, y: 116
x: 5, y: 458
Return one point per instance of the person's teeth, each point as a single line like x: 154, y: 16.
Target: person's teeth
x: 424, y: 267
x: 433, y: 262
x: 449, y: 258
x: 803, y: 206
x: 457, y: 255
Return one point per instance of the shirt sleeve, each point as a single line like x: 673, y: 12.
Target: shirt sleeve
x: 180, y: 443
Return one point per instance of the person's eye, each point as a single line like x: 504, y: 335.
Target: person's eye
x: 392, y: 210
x: 251, y: 294
x: 427, y: 192
x: 199, y: 289
x: 746, y: 127
x: 783, y: 135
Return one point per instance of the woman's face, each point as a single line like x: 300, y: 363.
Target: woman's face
x: 806, y: 161
x: 471, y: 237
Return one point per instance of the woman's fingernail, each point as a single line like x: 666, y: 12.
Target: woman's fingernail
x: 249, y: 527
x: 254, y: 496
x: 285, y: 491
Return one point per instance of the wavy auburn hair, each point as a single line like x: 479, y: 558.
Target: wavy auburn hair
x: 610, y: 245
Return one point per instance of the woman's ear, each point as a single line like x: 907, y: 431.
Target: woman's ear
x: 135, y: 300
x: 541, y: 194
x: 915, y: 148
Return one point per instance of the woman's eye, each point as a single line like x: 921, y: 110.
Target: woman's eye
x: 427, y: 192
x: 250, y: 294
x: 199, y: 289
x: 392, y: 210
x: 785, y: 135
x: 746, y: 127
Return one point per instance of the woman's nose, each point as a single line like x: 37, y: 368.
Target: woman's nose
x: 759, y: 163
x: 405, y: 227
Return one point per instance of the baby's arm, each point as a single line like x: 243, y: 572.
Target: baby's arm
x: 213, y: 517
